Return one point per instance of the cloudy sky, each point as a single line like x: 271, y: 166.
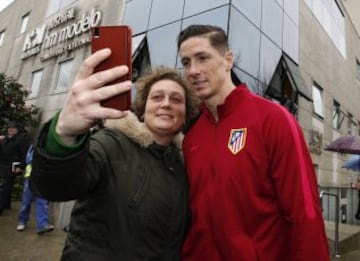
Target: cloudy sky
x: 4, y: 3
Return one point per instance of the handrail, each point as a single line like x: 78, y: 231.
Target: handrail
x: 322, y: 193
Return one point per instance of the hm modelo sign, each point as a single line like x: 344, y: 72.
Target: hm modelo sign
x: 63, y: 33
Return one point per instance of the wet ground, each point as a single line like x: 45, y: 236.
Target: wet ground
x: 27, y: 245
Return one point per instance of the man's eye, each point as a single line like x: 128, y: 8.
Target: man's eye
x: 203, y: 58
x: 185, y: 64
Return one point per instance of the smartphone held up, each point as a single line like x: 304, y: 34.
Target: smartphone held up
x: 119, y: 40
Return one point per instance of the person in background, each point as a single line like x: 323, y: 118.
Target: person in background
x: 128, y: 178
x: 13, y: 149
x: 253, y: 190
x: 42, y: 215
x: 356, y: 186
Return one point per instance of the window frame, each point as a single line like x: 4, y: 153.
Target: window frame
x: 357, y: 69
x: 2, y: 37
x: 350, y: 121
x: 24, y: 22
x: 32, y: 93
x: 59, y: 74
x: 336, y: 117
x: 318, y: 111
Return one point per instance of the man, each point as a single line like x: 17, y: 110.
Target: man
x: 42, y: 211
x: 13, y: 149
x: 253, y: 188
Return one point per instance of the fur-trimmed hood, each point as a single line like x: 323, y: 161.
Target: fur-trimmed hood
x: 137, y: 131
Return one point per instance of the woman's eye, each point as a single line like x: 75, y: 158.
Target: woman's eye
x: 177, y: 100
x: 156, y: 97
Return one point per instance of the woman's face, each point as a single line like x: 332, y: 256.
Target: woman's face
x: 165, y: 110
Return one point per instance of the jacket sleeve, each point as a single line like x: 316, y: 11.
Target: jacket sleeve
x: 296, y: 186
x: 61, y: 178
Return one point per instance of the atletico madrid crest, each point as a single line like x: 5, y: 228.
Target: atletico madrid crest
x: 237, y: 140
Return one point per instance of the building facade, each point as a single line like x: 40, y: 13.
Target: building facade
x: 329, y: 62
x: 303, y: 54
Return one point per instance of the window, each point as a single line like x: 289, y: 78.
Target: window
x: 2, y: 35
x: 5, y: 4
x: 317, y: 98
x: 65, y: 3
x: 141, y: 59
x: 336, y: 115
x: 64, y: 75
x: 331, y: 17
x: 57, y: 5
x: 25, y: 20
x: 357, y: 68
x: 35, y: 83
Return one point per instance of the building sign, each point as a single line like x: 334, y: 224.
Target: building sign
x: 62, y: 34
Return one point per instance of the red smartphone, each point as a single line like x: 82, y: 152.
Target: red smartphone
x: 119, y: 40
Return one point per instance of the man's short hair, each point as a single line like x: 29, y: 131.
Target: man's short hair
x: 216, y: 35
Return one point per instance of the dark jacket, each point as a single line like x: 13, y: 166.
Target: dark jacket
x: 12, y: 150
x: 132, y: 194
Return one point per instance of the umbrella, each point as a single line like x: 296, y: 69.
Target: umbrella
x: 353, y: 163
x: 345, y: 144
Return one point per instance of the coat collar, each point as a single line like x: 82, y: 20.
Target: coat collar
x: 137, y: 131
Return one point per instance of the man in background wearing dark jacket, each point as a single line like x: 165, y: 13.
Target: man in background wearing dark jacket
x: 13, y: 149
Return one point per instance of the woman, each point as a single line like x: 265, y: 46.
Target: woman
x: 128, y: 178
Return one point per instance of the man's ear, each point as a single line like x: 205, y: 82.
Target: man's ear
x: 229, y: 58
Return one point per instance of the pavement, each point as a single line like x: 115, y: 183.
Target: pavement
x: 349, y: 241
x: 27, y: 245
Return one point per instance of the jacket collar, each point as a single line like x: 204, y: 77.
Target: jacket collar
x: 137, y: 131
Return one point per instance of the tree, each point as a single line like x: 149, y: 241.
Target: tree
x: 12, y: 105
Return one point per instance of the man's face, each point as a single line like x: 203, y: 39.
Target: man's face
x: 205, y: 67
x: 12, y: 131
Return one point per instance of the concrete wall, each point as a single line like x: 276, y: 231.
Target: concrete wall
x: 321, y: 62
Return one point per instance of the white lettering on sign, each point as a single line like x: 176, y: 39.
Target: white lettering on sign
x: 34, y: 38
x: 62, y: 18
x: 54, y: 52
x: 42, y: 40
x: 72, y: 30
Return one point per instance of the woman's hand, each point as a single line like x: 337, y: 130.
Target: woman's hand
x: 82, y: 106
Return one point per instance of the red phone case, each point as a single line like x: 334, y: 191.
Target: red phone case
x: 119, y: 40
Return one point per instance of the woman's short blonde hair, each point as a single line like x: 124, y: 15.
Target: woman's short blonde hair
x: 144, y: 84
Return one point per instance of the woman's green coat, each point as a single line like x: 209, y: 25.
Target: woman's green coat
x: 132, y: 195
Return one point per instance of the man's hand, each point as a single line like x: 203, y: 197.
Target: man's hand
x: 82, y: 106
